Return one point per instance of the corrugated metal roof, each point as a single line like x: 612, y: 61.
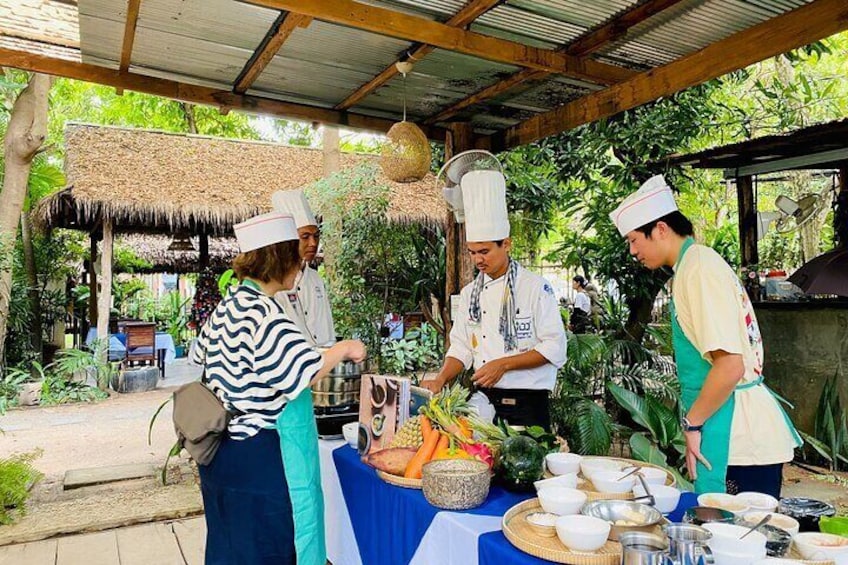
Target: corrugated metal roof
x: 209, y: 41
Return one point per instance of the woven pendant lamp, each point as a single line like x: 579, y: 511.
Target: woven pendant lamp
x: 406, y: 153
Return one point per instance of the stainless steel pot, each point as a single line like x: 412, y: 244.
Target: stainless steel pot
x: 337, y: 384
x: 329, y: 399
x: 347, y: 368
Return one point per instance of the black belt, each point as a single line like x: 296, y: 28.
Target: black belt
x: 514, y: 396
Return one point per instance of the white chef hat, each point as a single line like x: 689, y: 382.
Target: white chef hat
x: 652, y: 201
x: 294, y: 202
x: 484, y: 202
x: 265, y: 229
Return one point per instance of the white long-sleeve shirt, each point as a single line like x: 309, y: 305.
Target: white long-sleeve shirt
x: 539, y: 327
x: 308, y: 305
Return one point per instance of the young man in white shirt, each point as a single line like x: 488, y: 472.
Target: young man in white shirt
x: 509, y: 327
x: 307, y: 303
x: 737, y: 435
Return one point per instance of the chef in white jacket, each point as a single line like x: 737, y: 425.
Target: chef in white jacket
x: 307, y: 303
x: 508, y: 326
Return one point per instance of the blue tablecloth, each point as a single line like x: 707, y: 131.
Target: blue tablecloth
x: 390, y: 522
x: 118, y: 348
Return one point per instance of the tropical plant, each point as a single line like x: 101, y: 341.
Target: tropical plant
x: 831, y: 426
x: 662, y: 441
x: 76, y: 365
x: 175, y: 316
x: 10, y: 386
x: 420, y: 350
x: 17, y: 477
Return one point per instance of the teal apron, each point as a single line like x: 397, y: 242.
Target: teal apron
x: 692, y: 370
x: 299, y: 446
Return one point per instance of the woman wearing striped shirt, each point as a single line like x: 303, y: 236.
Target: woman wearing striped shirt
x: 261, y: 492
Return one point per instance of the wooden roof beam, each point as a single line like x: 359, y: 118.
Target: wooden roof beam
x: 133, y: 7
x: 195, y: 94
x: 589, y: 42
x: 421, y: 30
x: 802, y: 26
x: 268, y: 48
x: 470, y: 12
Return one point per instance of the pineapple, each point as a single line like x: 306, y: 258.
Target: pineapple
x: 409, y: 435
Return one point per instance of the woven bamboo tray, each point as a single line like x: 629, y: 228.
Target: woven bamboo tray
x: 584, y: 484
x: 520, y: 534
x: 793, y: 554
x: 397, y: 480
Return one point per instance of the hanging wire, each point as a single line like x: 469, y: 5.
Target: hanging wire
x: 404, y: 96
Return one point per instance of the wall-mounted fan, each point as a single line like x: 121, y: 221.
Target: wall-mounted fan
x: 790, y: 215
x: 450, y: 176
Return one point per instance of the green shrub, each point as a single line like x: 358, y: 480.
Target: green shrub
x: 17, y: 476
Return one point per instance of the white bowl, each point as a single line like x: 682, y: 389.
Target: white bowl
x: 758, y: 501
x: 561, y: 500
x: 563, y: 463
x: 568, y: 480
x: 781, y: 521
x: 728, y: 558
x: 666, y: 498
x: 816, y: 546
x: 724, y: 501
x: 582, y: 533
x: 612, y: 481
x: 350, y: 431
x: 726, y: 540
x: 654, y: 476
x: 590, y: 465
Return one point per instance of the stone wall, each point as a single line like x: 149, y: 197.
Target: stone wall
x: 805, y: 344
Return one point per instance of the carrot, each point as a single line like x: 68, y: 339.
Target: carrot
x: 426, y: 427
x: 424, y: 454
x: 444, y: 443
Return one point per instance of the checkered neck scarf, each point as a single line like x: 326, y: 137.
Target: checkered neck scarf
x: 507, y: 320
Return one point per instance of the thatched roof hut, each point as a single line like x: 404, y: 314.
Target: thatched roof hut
x: 153, y: 249
x: 156, y: 182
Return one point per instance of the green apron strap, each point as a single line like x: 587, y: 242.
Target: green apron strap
x: 692, y: 370
x: 249, y: 283
x: 299, y: 445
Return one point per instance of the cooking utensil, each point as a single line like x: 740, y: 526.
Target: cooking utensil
x: 640, y: 548
x: 765, y: 520
x: 688, y: 544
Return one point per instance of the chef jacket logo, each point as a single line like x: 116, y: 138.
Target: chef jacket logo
x: 319, y: 293
x: 523, y: 328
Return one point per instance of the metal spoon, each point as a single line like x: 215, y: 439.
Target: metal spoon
x: 631, y: 472
x: 762, y: 522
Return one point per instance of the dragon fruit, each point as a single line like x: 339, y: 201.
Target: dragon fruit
x: 480, y: 451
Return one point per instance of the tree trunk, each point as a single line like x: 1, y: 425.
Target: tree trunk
x: 332, y: 164
x: 104, y: 307
x: 25, y: 134
x: 191, y: 122
x: 32, y: 282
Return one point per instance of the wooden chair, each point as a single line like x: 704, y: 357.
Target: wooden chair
x: 141, y: 343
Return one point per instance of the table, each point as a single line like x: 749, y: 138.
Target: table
x: 370, y: 521
x: 118, y: 349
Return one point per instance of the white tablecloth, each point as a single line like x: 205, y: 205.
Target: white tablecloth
x: 451, y: 538
x: 117, y: 348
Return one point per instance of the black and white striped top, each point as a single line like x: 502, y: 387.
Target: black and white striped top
x: 255, y: 358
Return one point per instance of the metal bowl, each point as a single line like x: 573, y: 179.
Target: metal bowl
x: 700, y: 515
x: 455, y: 484
x: 645, y: 517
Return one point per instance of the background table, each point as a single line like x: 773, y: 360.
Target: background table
x: 118, y: 349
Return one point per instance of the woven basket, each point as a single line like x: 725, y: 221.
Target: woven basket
x: 456, y: 484
x: 521, y: 534
x: 406, y: 153
x: 397, y: 480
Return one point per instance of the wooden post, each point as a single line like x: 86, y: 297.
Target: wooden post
x: 458, y: 268
x: 204, y: 250
x: 747, y: 221
x: 104, y: 303
x: 92, y: 282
